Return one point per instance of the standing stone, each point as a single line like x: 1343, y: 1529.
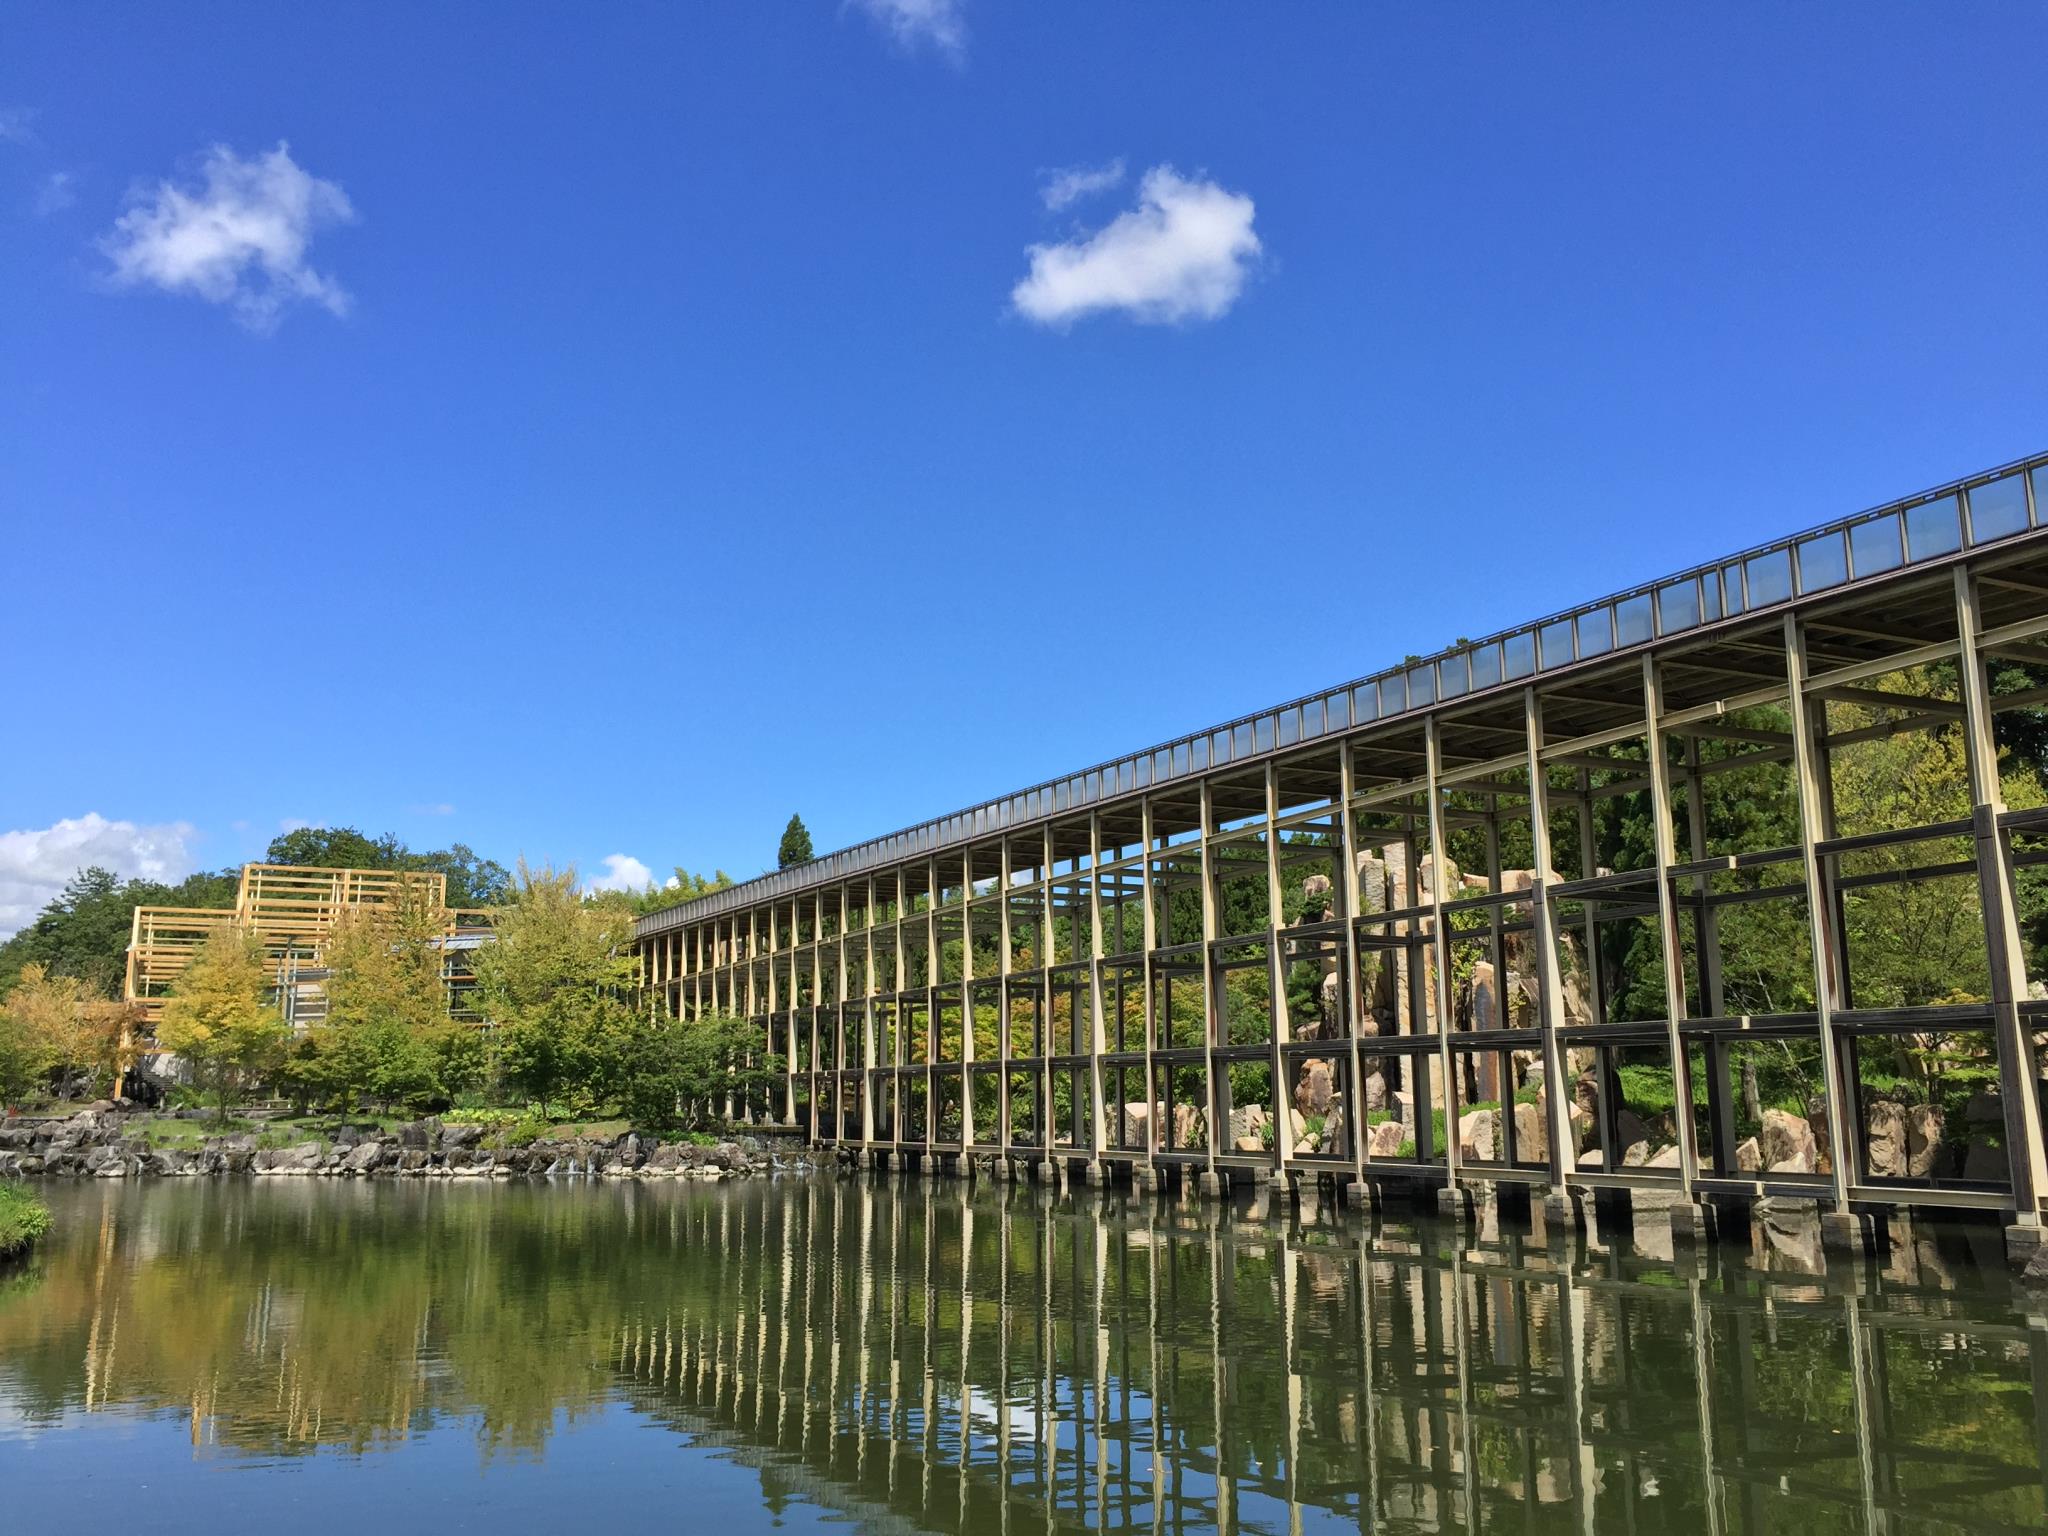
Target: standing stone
x: 1923, y: 1140
x: 1786, y: 1142
x: 1386, y: 1139
x: 1885, y: 1132
x: 1316, y: 1086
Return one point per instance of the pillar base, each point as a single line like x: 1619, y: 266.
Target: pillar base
x: 2023, y: 1239
x: 1695, y: 1221
x: 1564, y: 1213
x: 1454, y: 1203
x: 1851, y: 1234
x: 1095, y: 1175
x: 1209, y: 1185
x: 962, y: 1166
x: 1360, y: 1196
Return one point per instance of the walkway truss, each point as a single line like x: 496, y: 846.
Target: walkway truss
x: 1772, y: 820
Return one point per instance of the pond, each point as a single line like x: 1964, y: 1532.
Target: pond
x: 322, y: 1356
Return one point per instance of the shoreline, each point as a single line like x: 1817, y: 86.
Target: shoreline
x: 103, y: 1144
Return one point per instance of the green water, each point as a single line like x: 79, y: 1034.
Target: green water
x: 314, y: 1357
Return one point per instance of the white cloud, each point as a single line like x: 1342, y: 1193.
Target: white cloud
x: 1078, y: 181
x: 438, y: 808
x: 1182, y: 254
x: 941, y: 23
x: 35, y: 864
x: 55, y: 194
x: 240, y: 240
x: 622, y: 872
x: 15, y: 125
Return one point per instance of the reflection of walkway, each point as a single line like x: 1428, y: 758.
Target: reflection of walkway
x: 972, y: 1365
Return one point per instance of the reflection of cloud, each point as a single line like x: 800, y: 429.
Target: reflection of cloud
x: 34, y: 865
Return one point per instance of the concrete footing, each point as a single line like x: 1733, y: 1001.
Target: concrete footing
x: 1209, y: 1185
x: 2021, y: 1241
x: 1850, y: 1234
x: 1454, y: 1203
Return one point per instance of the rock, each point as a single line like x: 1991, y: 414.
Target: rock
x: 419, y: 1135
x: 1334, y: 1137
x: 1248, y: 1124
x: 1532, y: 1136
x: 1479, y: 1135
x: 301, y: 1158
x: 459, y: 1136
x: 1924, y: 1132
x: 1315, y: 1087
x: 1385, y: 1139
x: 1375, y: 1090
x: 1189, y: 1128
x: 364, y: 1157
x: 1749, y: 1157
x: 1787, y: 1142
x: 1138, y: 1119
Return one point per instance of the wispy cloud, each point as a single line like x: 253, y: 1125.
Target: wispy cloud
x: 35, y: 864
x: 912, y: 24
x: 58, y: 191
x: 1183, y: 253
x: 297, y: 824
x: 239, y: 238
x: 1078, y: 181
x: 438, y: 808
x: 17, y: 125
x: 622, y: 872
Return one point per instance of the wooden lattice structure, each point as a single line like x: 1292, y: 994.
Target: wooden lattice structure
x: 292, y: 908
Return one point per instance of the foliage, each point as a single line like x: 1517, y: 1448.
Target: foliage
x: 683, y: 886
x: 387, y: 1036
x: 23, y: 1219
x: 681, y: 1073
x: 473, y: 881
x: 795, y: 847
x: 83, y: 931
x: 557, y: 984
x: 217, y: 1021
x: 57, y: 1028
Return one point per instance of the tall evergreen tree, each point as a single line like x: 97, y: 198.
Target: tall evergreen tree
x: 796, y: 845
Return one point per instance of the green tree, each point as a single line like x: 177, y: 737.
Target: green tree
x: 682, y: 886
x: 473, y: 881
x: 217, y: 1021
x: 558, y: 985
x: 796, y: 845
x: 385, y: 1034
x: 83, y: 930
x: 680, y: 1073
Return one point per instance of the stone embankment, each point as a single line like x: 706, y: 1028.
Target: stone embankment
x: 105, y: 1144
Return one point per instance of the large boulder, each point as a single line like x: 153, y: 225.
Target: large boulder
x: 1248, y: 1127
x: 300, y: 1158
x: 1924, y: 1132
x: 460, y: 1136
x: 1385, y: 1139
x: 1315, y: 1088
x: 1532, y: 1136
x: 1787, y: 1143
x: 1479, y: 1135
x: 364, y: 1157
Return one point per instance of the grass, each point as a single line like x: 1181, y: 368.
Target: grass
x: 23, y: 1219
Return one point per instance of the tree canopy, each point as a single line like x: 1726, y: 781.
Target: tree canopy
x: 473, y: 881
x: 795, y: 848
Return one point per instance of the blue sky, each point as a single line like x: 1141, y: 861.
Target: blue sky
x: 606, y: 429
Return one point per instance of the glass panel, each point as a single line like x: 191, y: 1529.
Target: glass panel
x: 1365, y: 702
x: 1557, y: 643
x: 1393, y: 694
x: 1632, y: 622
x: 1823, y: 563
x: 1198, y: 753
x: 1219, y: 747
x: 2040, y: 478
x: 1338, y: 706
x: 1311, y: 720
x: 1265, y: 733
x: 1678, y: 606
x: 1521, y: 654
x: 1421, y: 686
x: 1290, y: 727
x: 1997, y: 509
x: 1732, y: 588
x: 1596, y: 632
x: 1770, y: 578
x: 1241, y: 742
x: 1454, y: 674
x: 1933, y: 528
x: 1874, y: 546
x: 1486, y: 666
x: 1710, y: 596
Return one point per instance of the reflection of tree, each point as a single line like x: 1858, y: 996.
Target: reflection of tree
x: 854, y: 1344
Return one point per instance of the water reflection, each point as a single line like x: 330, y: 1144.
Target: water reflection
x: 916, y: 1356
